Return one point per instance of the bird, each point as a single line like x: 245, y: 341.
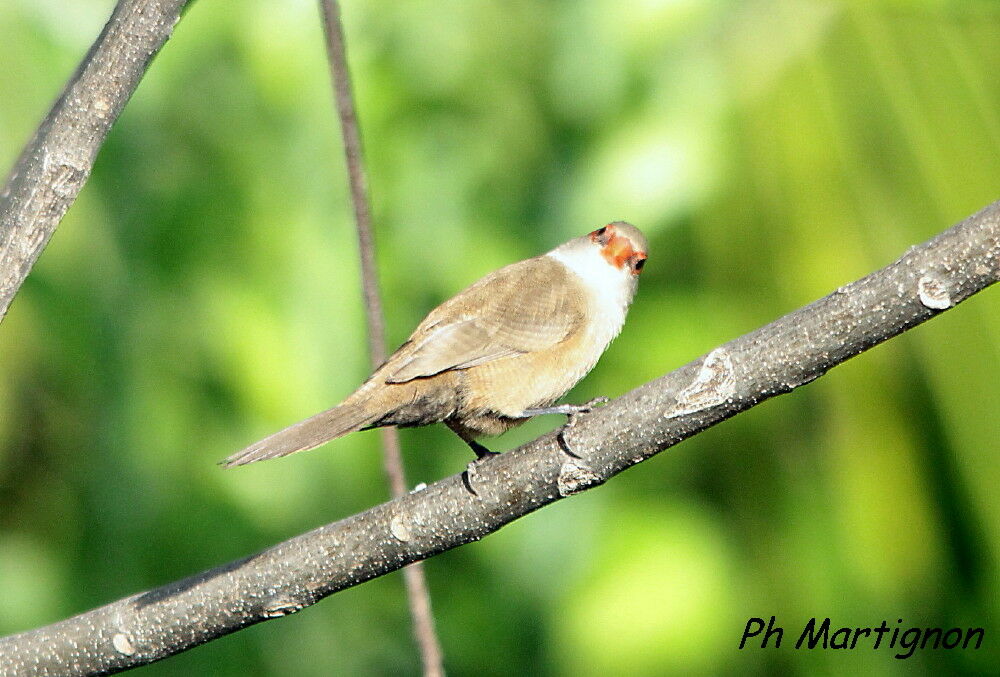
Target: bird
x: 501, y: 351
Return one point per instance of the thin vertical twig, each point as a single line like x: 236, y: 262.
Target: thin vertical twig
x: 416, y: 583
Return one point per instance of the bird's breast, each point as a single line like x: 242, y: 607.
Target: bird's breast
x: 539, y: 378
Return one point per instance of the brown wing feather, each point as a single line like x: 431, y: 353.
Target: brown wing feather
x: 524, y: 307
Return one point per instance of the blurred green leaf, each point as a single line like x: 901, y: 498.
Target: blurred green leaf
x: 203, y: 292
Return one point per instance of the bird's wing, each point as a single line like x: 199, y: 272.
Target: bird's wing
x: 524, y: 307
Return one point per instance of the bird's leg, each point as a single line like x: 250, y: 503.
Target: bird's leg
x: 570, y: 410
x: 467, y: 436
x: 479, y: 450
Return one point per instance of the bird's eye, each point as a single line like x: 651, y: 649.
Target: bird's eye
x: 639, y: 264
x: 600, y: 236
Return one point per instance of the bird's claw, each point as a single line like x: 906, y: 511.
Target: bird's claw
x: 590, y: 405
x: 578, y: 409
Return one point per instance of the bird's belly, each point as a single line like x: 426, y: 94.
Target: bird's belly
x: 509, y: 386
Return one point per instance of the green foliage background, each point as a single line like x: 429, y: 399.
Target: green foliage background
x: 203, y: 292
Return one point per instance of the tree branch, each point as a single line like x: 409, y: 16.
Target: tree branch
x: 772, y: 360
x: 417, y: 592
x: 57, y: 161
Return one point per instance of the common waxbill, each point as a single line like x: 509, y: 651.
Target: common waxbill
x: 496, y: 354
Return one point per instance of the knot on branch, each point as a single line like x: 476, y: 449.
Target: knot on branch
x: 576, y: 476
x: 715, y: 384
x: 933, y: 293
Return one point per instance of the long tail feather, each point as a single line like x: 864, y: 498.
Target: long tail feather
x: 304, y: 435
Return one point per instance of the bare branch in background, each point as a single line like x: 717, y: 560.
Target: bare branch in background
x: 57, y: 161
x: 775, y: 359
x: 416, y: 582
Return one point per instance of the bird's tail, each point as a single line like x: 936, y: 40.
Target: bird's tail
x: 304, y: 435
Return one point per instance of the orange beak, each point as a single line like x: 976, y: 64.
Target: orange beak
x: 617, y: 251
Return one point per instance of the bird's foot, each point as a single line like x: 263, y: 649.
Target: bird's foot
x: 471, y: 470
x: 571, y: 411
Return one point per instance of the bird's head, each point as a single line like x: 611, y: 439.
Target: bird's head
x: 622, y: 245
x: 610, y: 257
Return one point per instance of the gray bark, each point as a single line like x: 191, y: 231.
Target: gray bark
x: 57, y: 161
x: 772, y: 360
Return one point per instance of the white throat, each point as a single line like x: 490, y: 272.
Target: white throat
x: 610, y: 290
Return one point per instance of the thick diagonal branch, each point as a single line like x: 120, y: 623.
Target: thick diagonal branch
x: 772, y: 360
x: 57, y: 161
